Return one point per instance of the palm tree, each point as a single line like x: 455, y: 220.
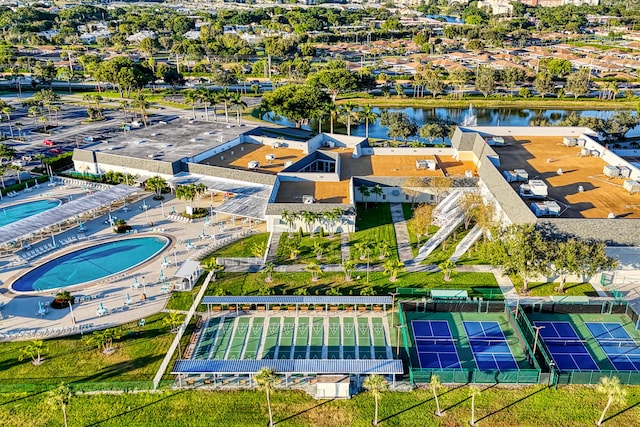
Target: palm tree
x: 309, y: 218
x: 318, y: 249
x: 315, y: 270
x: 348, y: 266
x: 383, y: 249
x: 124, y: 106
x: 289, y: 218
x: 266, y: 377
x: 19, y: 126
x: 211, y: 264
x: 376, y: 384
x: 60, y: 396
x: 268, y: 269
x: 34, y: 352
x: 187, y: 192
x: 332, y: 111
x: 7, y: 110
x: 238, y: 103
x: 191, y: 98
x: 205, y: 96
x: 34, y: 112
x: 258, y: 249
x: 364, y: 191
x: 225, y: 96
x: 615, y: 394
x: 474, y: 390
x: 156, y: 184
x: 448, y: 267
x: 103, y: 340
x: 18, y: 169
x: 435, y: 385
x: 368, y: 115
x: 348, y: 114
x: 140, y: 103
x: 377, y: 191
x: 392, y: 267
x: 173, y: 320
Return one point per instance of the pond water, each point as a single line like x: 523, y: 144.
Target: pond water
x: 485, y: 117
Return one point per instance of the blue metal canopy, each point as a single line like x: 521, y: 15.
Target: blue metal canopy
x: 290, y: 366
x: 297, y: 299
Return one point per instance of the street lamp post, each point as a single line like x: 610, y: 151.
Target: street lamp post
x: 73, y: 319
x: 144, y: 289
x: 393, y: 297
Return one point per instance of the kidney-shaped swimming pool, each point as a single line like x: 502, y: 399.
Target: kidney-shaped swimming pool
x: 91, y: 263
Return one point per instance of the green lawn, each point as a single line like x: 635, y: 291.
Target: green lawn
x: 139, y: 353
x: 331, y: 246
x: 374, y: 225
x: 289, y: 283
x: 542, y: 289
x: 241, y: 248
x: 184, y: 300
x: 496, y: 406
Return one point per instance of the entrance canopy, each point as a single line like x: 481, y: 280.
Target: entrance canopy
x: 290, y: 366
x: 51, y: 217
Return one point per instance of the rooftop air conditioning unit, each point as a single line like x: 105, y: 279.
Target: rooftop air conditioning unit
x: 270, y: 157
x: 288, y: 163
x: 308, y: 200
x: 254, y: 164
x: 275, y: 145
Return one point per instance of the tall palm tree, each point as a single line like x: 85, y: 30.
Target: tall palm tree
x: 238, y: 103
x: 377, y: 191
x: 315, y: 270
x: 124, y: 106
x: 332, y: 111
x: 204, y: 95
x: 474, y: 390
x: 348, y: 266
x: 211, y: 264
x: 266, y: 377
x: 435, y: 385
x: 7, y: 110
x: 364, y: 191
x: 309, y: 218
x: 348, y: 114
x: 18, y: 169
x: 611, y: 388
x: 140, y: 103
x: 376, y: 384
x: 191, y: 98
x: 368, y: 115
x: 156, y: 184
x: 225, y: 97
x: 60, y: 396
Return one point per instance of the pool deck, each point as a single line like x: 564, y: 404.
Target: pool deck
x: 19, y: 313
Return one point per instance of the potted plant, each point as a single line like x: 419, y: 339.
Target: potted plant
x: 121, y: 226
x: 62, y: 300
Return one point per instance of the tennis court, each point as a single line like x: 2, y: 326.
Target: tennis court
x: 435, y: 345
x: 565, y: 346
x: 621, y: 349
x: 489, y: 346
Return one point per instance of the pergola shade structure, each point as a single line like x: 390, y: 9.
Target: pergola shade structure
x: 73, y: 209
x: 297, y: 300
x: 189, y: 270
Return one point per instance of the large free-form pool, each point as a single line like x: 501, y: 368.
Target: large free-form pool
x: 90, y: 264
x: 20, y: 211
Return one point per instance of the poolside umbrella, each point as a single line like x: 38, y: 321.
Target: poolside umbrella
x: 40, y: 307
x: 165, y: 262
x: 135, y: 282
x: 173, y: 210
x: 26, y: 185
x: 101, y: 307
x: 161, y: 278
x: 127, y: 299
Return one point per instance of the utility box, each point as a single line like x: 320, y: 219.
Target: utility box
x: 611, y: 171
x: 631, y: 186
x: 569, y: 142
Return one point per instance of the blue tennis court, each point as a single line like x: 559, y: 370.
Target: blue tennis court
x: 621, y: 349
x: 435, y: 345
x: 566, y: 348
x: 489, y: 346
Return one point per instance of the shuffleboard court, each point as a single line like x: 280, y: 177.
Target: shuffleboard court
x: 223, y: 339
x: 271, y: 338
x: 379, y: 341
x: 207, y: 339
x: 286, y: 338
x: 253, y: 339
x: 238, y: 340
x: 348, y: 339
x: 317, y: 338
x: 364, y: 338
x: 333, y: 352
x: 302, y: 338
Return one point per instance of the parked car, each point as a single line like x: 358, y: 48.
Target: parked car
x: 49, y: 142
x: 55, y: 151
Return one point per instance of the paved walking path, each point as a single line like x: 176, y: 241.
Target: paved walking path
x: 273, y: 249
x: 345, y: 249
x: 402, y: 234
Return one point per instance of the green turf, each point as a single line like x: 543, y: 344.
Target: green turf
x: 379, y: 341
x: 254, y: 338
x: 539, y: 289
x: 331, y: 254
x: 271, y: 338
x: 333, y: 351
x: 578, y: 323
x: 288, y: 283
x: 364, y: 339
x: 317, y: 338
x: 374, y: 225
x: 455, y: 320
x: 241, y: 248
x: 222, y: 340
x: 286, y: 338
x: 239, y: 337
x: 348, y: 338
x: 496, y: 406
x: 302, y: 338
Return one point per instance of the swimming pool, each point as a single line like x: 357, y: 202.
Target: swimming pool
x: 91, y: 263
x: 13, y: 213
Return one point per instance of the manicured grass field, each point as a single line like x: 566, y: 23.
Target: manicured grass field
x: 137, y: 358
x: 541, y: 289
x: 374, y: 225
x: 569, y: 406
x: 289, y: 283
x: 331, y: 254
x: 242, y: 248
